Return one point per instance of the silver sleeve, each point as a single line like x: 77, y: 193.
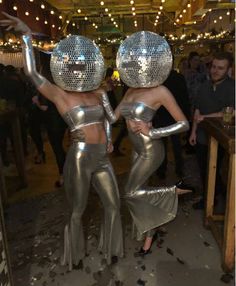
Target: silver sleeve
x: 178, y: 127
x: 29, y: 61
x: 108, y: 130
x: 109, y: 111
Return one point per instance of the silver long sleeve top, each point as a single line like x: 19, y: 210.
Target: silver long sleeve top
x: 29, y: 61
x: 141, y: 111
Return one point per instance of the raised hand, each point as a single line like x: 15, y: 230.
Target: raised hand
x: 14, y: 23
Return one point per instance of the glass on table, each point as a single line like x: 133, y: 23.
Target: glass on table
x: 228, y: 115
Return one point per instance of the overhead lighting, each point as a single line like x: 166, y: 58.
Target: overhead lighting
x: 53, y: 26
x: 73, y: 24
x: 26, y: 13
x: 133, y: 8
x: 45, y: 22
x: 15, y: 8
x: 42, y: 6
x: 31, y: 0
x: 220, y: 18
x: 184, y: 11
x: 161, y: 7
x: 52, y: 12
x: 109, y: 15
x: 131, y: 2
x: 85, y: 18
x: 101, y: 3
x: 37, y: 18
x: 189, y: 5
x: 79, y: 11
x: 133, y: 13
x: 228, y: 13
x: 60, y: 17
x: 215, y: 21
x: 67, y: 21
x: 106, y: 10
x: 163, y: 1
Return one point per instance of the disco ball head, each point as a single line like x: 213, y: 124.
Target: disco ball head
x: 144, y: 59
x: 77, y: 64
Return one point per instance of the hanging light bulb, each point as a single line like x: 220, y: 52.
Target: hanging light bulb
x: 42, y: 6
x: 15, y: 8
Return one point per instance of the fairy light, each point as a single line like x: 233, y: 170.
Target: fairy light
x: 106, y: 10
x: 109, y: 15
x: 73, y: 24
x: 60, y: 17
x: 133, y: 13
x: 42, y: 6
x: 131, y: 2
x: 133, y: 8
x: 52, y: 12
x: 85, y: 18
x: 67, y: 21
x: 220, y: 18
x: 31, y: 0
x: 228, y: 13
x: 37, y: 18
x: 15, y: 8
x: 161, y: 7
x: 79, y: 11
x: 163, y: 1
x: 215, y: 21
x: 46, y: 22
x: 184, y: 11
x: 101, y: 3
x: 53, y: 26
x: 26, y: 13
x: 189, y: 5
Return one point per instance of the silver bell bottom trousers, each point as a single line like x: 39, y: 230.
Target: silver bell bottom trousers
x: 150, y: 207
x: 85, y: 164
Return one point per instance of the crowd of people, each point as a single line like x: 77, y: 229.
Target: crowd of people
x: 153, y: 113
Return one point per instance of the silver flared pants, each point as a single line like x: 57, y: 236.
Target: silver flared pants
x: 150, y: 207
x: 85, y: 164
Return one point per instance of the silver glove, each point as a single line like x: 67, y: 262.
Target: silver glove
x: 178, y: 127
x: 108, y: 130
x: 109, y: 111
x: 29, y: 61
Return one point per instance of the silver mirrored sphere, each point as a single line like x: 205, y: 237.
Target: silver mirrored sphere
x: 77, y: 64
x: 144, y: 59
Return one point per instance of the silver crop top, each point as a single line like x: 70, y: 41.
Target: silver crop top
x: 137, y: 111
x: 82, y: 115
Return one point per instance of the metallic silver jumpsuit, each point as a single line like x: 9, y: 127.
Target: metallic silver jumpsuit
x: 87, y: 163
x: 150, y: 207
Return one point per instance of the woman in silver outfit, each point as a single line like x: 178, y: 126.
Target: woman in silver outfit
x: 85, y: 109
x: 144, y: 62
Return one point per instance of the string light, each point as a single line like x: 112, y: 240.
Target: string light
x: 67, y: 21
x: 228, y: 13
x: 131, y: 2
x: 26, y: 13
x: 42, y: 6
x: 79, y: 11
x: 189, y: 5
x: 15, y: 8
x: 37, y: 18
x: 101, y: 3
x: 52, y: 12
x: 60, y: 17
x: 106, y: 10
x: 85, y: 18
x: 31, y: 0
x: 220, y: 18
x: 45, y: 22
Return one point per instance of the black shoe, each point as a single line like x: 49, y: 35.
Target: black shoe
x: 199, y: 205
x: 142, y: 252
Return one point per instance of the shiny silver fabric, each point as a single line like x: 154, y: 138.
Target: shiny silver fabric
x: 144, y: 59
x: 87, y: 163
x: 107, y: 106
x: 80, y: 116
x: 180, y: 126
x: 137, y: 111
x: 150, y: 207
x: 29, y: 61
x: 77, y: 64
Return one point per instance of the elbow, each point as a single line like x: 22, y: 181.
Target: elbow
x: 185, y: 125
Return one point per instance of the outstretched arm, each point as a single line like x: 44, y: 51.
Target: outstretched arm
x: 43, y: 85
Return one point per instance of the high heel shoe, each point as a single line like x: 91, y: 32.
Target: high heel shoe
x: 143, y: 252
x: 183, y: 188
x: 41, y: 158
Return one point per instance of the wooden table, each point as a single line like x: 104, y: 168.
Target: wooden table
x: 12, y: 116
x: 226, y: 138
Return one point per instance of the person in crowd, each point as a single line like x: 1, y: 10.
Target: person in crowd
x: 123, y: 132
x: 84, y: 107
x: 213, y: 95
x: 110, y: 87
x: 149, y: 207
x: 176, y: 84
